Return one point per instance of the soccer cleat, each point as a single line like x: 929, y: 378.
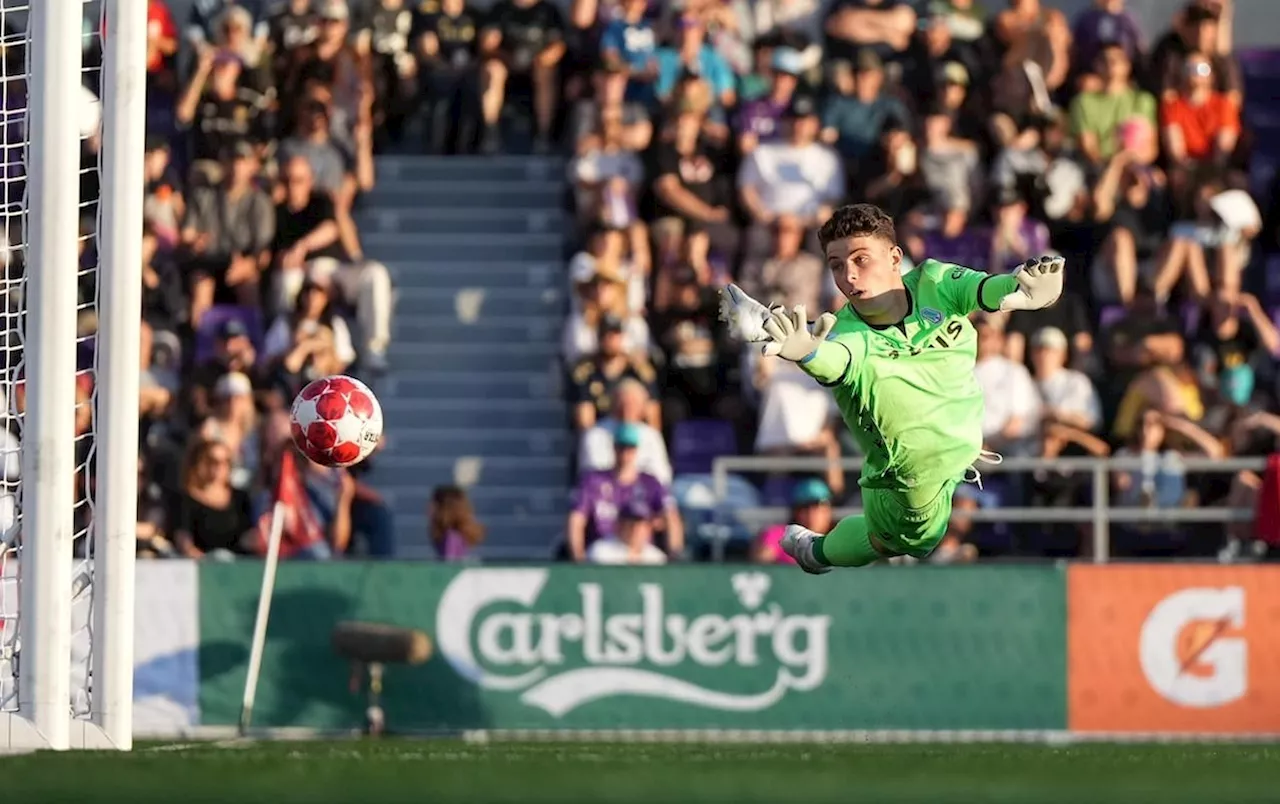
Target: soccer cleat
x: 797, y: 542
x: 744, y: 315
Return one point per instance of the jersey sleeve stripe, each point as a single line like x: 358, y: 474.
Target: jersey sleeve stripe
x: 981, y: 303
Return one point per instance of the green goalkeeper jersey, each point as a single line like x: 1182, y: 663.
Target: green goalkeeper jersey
x: 907, y: 390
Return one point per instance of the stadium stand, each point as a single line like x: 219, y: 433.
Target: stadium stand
x: 309, y: 163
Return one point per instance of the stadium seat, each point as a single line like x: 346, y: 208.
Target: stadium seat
x: 705, y: 521
x: 213, y: 321
x: 696, y: 443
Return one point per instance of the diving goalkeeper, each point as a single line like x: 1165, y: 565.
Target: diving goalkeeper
x: 899, y: 359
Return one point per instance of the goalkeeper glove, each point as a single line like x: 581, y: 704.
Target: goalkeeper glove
x: 789, y: 335
x: 744, y: 315
x: 1039, y: 284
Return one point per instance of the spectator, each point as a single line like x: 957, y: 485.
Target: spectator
x: 522, y: 44
x: 607, y: 174
x: 332, y: 62
x: 228, y: 231
x: 219, y: 111
x: 233, y: 351
x: 632, y: 542
x: 294, y: 24
x: 1108, y: 24
x: 692, y: 54
x: 602, y: 312
x: 791, y: 275
x: 796, y: 416
x: 1069, y: 315
x: 1234, y: 330
x: 886, y: 26
x: 312, y: 354
x: 630, y: 43
x: 1069, y: 397
x: 694, y: 341
x: 163, y: 207
x: 454, y: 530
x: 1035, y: 39
x: 609, y: 92
x: 810, y: 508
x: 1161, y: 481
x: 1199, y: 28
x: 955, y: 547
x: 690, y: 200
x: 1013, y: 409
x: 212, y: 516
x: 891, y: 177
x: 234, y: 424
x: 932, y: 56
x: 385, y: 31
x: 607, y: 255
x: 949, y: 167
x: 314, y: 308
x: 759, y: 120
x: 1200, y: 124
x: 1132, y: 199
x: 594, y: 378
x: 599, y: 497
x: 1098, y: 115
x: 799, y: 176
x: 859, y: 111
x: 1015, y: 238
x: 447, y: 42
x: 631, y: 407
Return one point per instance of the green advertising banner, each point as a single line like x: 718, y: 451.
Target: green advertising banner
x: 680, y: 647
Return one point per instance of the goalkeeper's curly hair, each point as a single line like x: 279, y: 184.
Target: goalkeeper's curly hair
x: 858, y: 220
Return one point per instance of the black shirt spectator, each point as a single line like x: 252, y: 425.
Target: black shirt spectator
x: 452, y: 27
x: 526, y: 28
x: 219, y: 111
x: 292, y: 225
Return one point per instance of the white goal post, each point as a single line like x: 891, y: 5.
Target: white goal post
x: 58, y: 578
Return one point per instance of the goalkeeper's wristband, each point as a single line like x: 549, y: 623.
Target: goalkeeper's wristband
x: 809, y: 357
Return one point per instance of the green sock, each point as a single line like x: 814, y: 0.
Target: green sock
x: 848, y: 545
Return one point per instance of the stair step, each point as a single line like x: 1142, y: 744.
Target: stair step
x: 481, y: 196
x: 479, y: 303
x: 454, y: 276
x: 406, y: 499
x: 393, y: 247
x: 512, y: 385
x: 509, y: 538
x: 394, y: 170
x: 509, y: 471
x: 479, y: 415
x: 452, y: 220
x: 434, y: 440
x: 528, y: 329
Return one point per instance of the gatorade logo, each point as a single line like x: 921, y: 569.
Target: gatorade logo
x: 1174, y: 649
x: 1192, y: 650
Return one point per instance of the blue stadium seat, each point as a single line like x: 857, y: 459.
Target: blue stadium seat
x: 695, y: 443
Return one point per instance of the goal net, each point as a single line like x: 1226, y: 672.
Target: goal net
x: 72, y: 122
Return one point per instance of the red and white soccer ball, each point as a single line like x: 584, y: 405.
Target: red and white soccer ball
x: 336, y: 421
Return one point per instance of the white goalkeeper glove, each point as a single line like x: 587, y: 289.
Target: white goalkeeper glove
x: 744, y: 315
x: 789, y: 334
x: 1039, y: 284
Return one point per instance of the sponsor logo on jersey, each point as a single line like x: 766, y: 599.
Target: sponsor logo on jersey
x: 931, y: 315
x: 564, y: 650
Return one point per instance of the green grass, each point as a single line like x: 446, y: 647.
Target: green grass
x: 438, y: 771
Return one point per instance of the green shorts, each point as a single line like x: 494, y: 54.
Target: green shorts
x: 911, y: 530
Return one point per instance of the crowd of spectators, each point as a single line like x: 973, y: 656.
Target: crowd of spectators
x: 260, y: 142
x: 710, y: 137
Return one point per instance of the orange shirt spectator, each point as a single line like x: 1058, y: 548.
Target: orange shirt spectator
x: 1200, y: 124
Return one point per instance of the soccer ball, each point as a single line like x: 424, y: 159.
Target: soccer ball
x: 336, y: 421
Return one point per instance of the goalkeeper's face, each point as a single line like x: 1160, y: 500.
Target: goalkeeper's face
x: 867, y: 269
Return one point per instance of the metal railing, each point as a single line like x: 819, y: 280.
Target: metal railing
x: 1100, y: 514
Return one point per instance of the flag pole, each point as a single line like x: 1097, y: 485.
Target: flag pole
x: 278, y: 513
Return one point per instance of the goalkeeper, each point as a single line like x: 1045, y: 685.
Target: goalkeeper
x: 899, y: 359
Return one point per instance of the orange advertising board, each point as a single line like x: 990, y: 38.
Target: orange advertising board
x: 1174, y: 649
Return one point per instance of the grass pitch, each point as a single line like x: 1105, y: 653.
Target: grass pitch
x: 439, y: 771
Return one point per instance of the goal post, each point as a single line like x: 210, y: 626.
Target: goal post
x: 74, y: 580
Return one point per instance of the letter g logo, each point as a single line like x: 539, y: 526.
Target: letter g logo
x: 1191, y: 650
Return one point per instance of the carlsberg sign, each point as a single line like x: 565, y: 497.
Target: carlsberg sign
x: 560, y: 642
